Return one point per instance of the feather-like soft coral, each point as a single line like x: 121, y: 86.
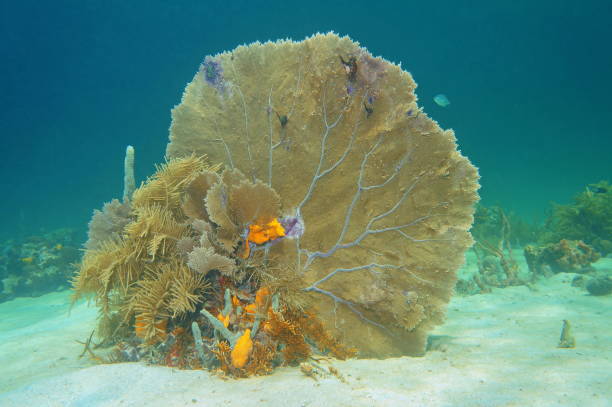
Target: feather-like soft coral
x: 187, y: 291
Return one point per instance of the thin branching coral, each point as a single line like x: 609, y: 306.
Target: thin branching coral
x: 150, y: 306
x: 288, y: 333
x: 144, y: 268
x: 165, y: 187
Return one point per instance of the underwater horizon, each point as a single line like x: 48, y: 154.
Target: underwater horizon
x: 528, y: 83
x: 370, y: 204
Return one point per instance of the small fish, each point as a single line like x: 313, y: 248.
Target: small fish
x: 441, y: 100
x: 597, y: 189
x: 27, y: 259
x: 58, y: 246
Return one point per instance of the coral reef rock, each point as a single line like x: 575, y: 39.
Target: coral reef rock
x: 588, y: 218
x: 36, y: 265
x: 375, y: 199
x: 600, y: 285
x: 567, y: 256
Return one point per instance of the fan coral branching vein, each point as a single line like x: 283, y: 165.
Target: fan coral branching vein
x: 271, y: 146
x: 246, y: 123
x: 368, y: 229
x: 370, y: 267
x: 349, y: 304
x: 270, y: 110
x: 317, y: 175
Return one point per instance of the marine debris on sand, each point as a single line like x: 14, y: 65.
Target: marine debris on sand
x: 567, y: 340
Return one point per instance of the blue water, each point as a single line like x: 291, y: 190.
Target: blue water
x: 530, y: 87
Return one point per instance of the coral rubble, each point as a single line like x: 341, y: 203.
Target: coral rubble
x: 332, y: 219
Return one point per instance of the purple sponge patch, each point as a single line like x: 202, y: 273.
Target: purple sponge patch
x: 212, y: 72
x: 294, y: 227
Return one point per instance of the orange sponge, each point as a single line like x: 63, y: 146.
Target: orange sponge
x: 242, y: 349
x: 260, y: 234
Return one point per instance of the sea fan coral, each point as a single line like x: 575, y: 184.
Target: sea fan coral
x: 108, y: 223
x: 337, y: 232
x: 204, y: 259
x: 380, y: 193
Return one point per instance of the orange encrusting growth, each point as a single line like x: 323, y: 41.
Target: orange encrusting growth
x: 235, y: 301
x: 242, y: 349
x: 224, y: 319
x: 262, y: 233
x: 261, y: 298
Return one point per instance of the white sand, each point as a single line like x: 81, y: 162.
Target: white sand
x: 496, y: 349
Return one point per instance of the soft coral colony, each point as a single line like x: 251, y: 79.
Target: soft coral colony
x: 301, y: 210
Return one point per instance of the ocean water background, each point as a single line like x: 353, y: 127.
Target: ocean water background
x: 530, y: 86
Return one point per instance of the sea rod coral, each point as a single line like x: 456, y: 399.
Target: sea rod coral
x: 307, y: 205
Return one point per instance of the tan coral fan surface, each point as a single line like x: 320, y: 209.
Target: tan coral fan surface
x: 385, y: 197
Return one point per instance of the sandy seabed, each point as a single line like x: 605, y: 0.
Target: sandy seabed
x: 496, y: 349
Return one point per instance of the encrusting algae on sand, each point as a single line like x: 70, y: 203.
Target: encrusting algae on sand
x: 338, y: 233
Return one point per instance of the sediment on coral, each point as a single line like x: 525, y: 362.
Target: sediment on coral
x: 338, y: 232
